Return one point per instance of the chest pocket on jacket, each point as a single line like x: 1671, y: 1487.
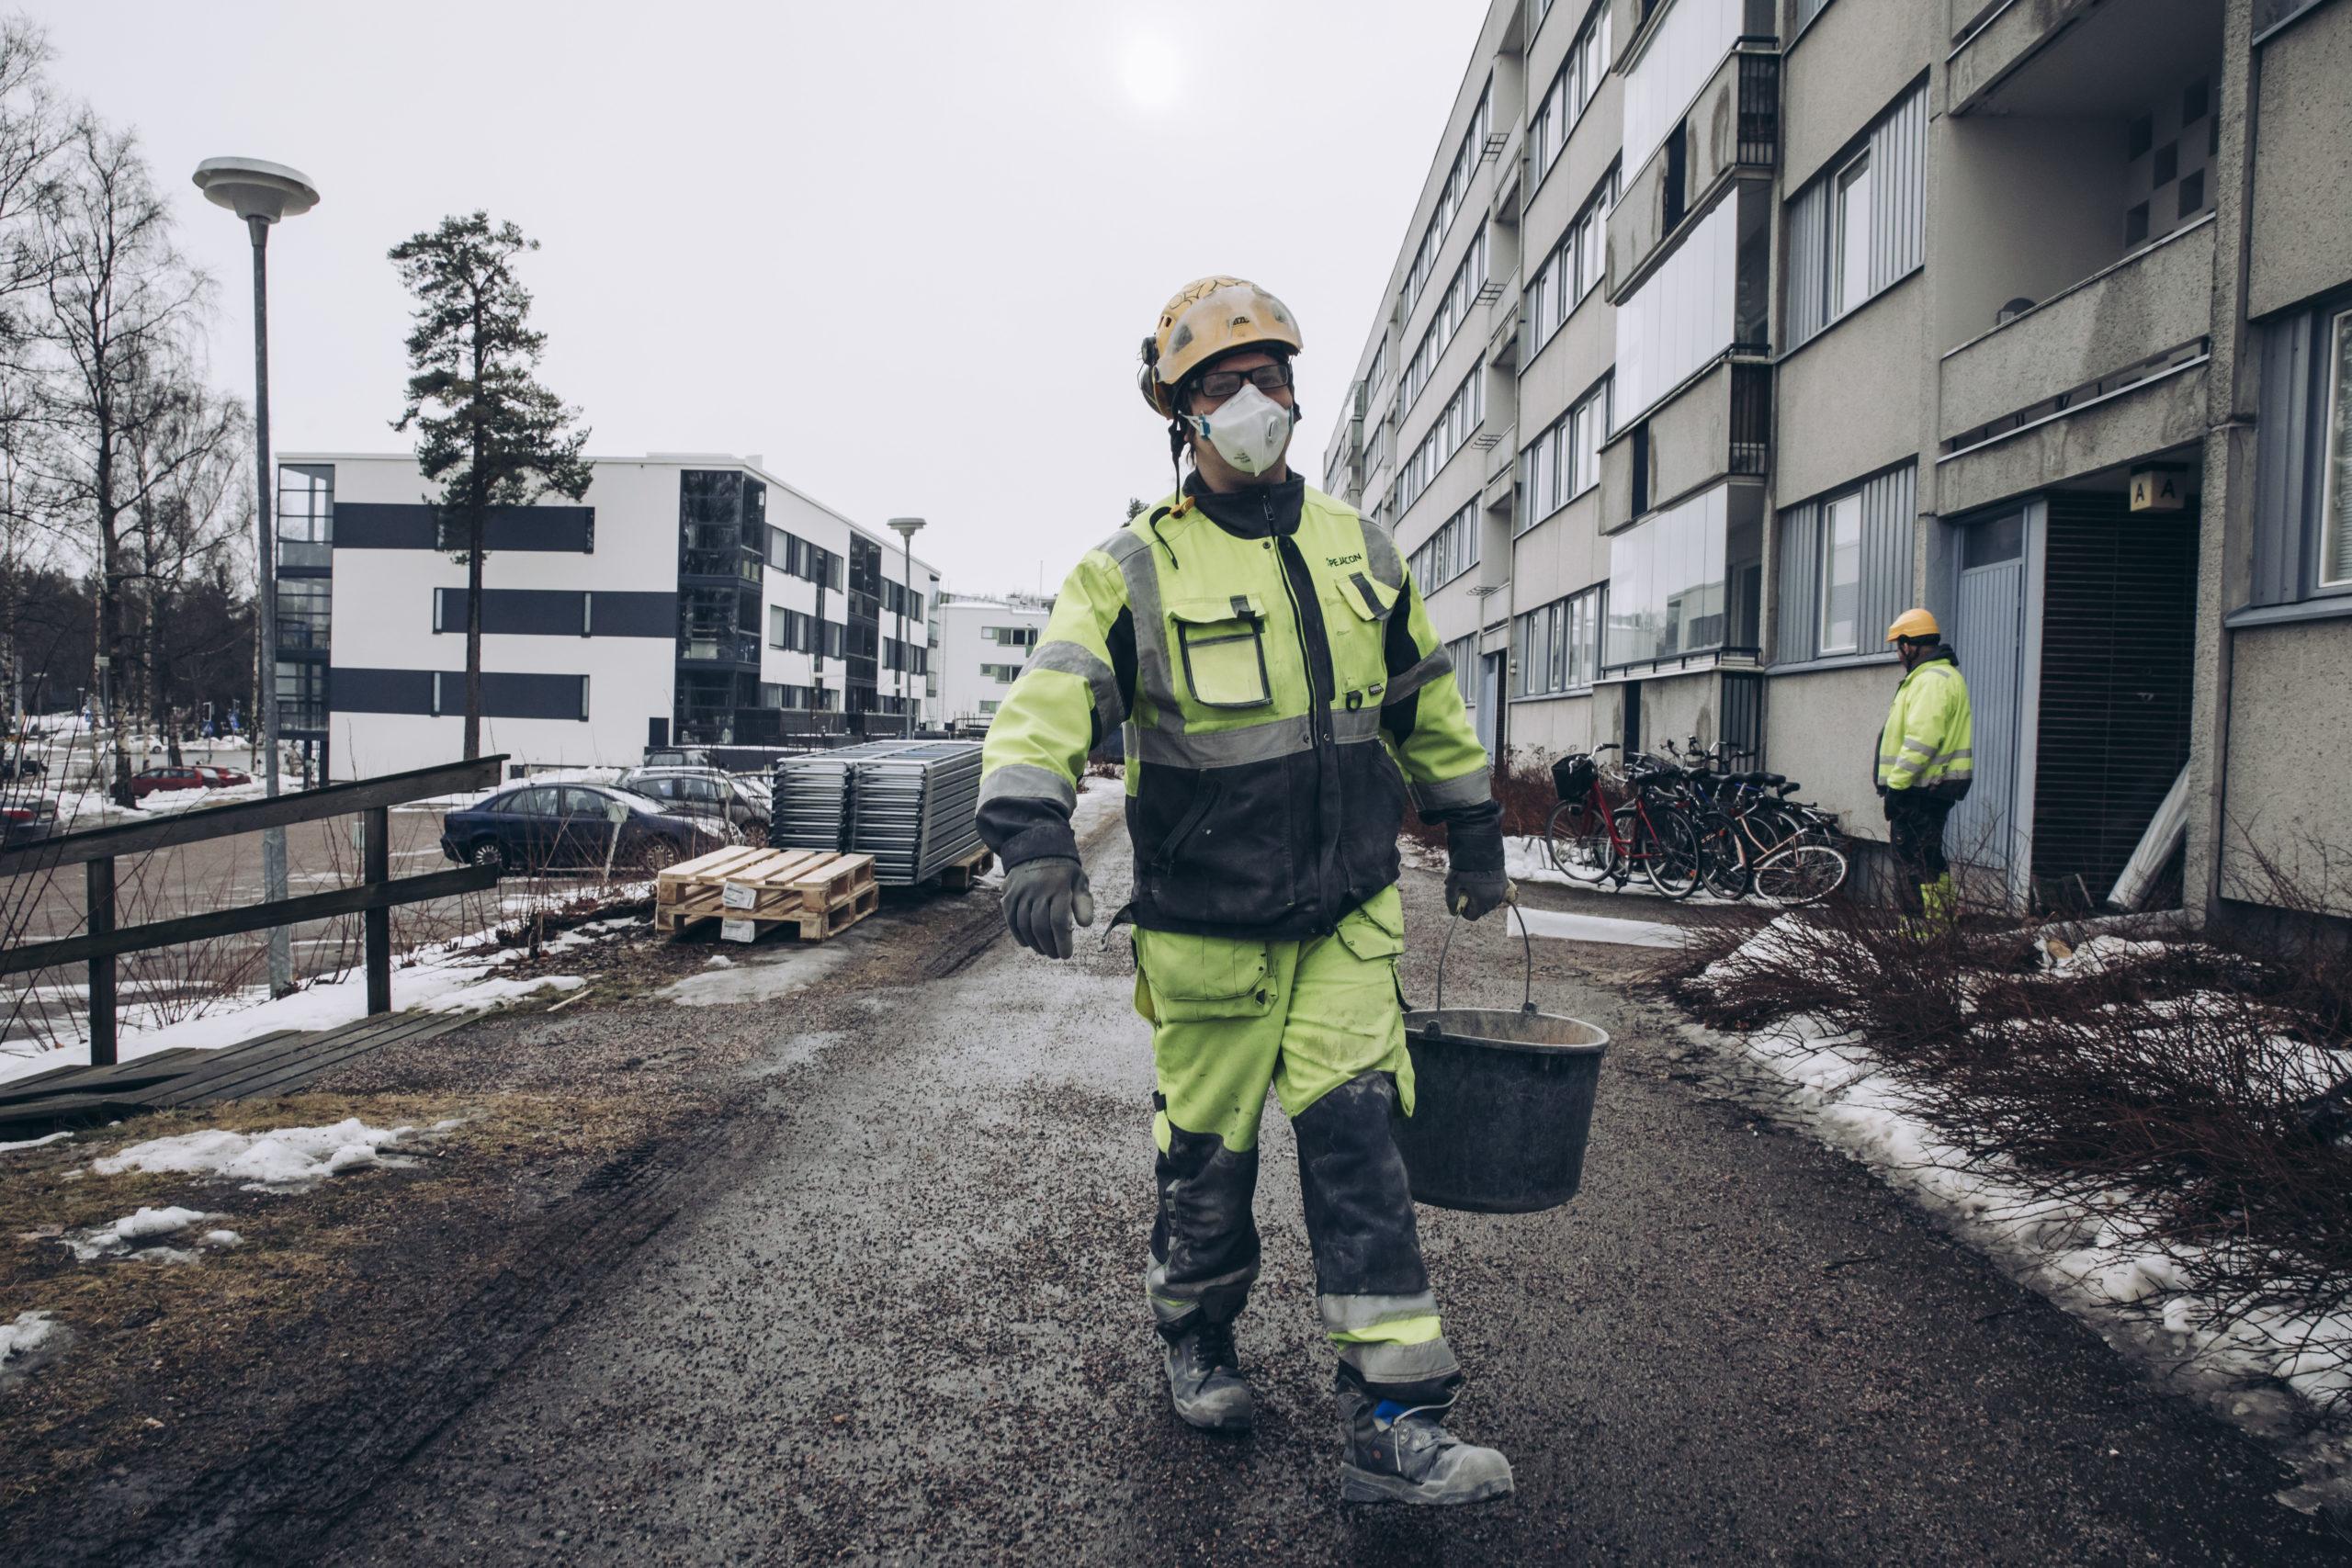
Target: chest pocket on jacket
x: 1360, y: 638
x: 1222, y: 644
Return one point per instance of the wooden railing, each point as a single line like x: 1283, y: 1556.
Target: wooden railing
x: 374, y: 897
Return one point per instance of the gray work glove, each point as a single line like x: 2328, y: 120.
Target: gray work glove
x: 1041, y: 896
x: 1470, y: 894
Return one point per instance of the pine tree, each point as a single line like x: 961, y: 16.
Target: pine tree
x: 488, y: 433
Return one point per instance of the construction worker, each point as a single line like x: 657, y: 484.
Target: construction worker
x: 1925, y: 763
x: 1281, y: 690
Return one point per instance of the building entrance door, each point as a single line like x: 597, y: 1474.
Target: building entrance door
x: 1989, y: 631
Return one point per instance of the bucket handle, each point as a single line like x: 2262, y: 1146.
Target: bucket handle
x: 1527, y: 999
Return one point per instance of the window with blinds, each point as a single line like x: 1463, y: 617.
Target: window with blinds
x: 1859, y: 228
x: 1844, y: 568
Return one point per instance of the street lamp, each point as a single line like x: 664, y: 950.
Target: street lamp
x: 262, y: 193
x: 905, y: 528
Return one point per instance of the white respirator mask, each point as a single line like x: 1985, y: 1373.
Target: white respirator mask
x: 1250, y: 430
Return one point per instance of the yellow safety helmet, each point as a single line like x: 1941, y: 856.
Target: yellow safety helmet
x: 1916, y: 624
x: 1209, y: 316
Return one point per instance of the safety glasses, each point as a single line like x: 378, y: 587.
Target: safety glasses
x: 1218, y: 385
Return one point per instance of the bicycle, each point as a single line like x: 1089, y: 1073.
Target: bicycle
x: 1592, y: 838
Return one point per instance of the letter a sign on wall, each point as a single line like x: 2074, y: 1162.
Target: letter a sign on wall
x: 2159, y: 490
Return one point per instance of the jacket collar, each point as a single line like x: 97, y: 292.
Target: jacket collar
x: 1254, y: 511
x: 1944, y: 654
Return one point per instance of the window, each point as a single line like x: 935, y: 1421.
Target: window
x: 1002, y: 674
x: 1844, y: 568
x: 1686, y: 581
x: 1461, y: 294
x: 1561, y: 279
x: 1450, y: 198
x: 305, y: 514
x: 1564, y: 460
x: 1464, y: 653
x: 304, y: 612
x: 1462, y: 414
x: 1447, y: 553
x: 1841, y: 571
x: 2335, y: 504
x: 1852, y: 246
x: 1010, y: 636
x: 1858, y: 229
x: 1572, y: 89
x: 1557, y: 648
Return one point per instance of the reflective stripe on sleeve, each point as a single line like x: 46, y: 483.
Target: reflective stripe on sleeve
x: 1411, y: 678
x: 1026, y: 781
x: 1443, y: 794
x: 1071, y: 658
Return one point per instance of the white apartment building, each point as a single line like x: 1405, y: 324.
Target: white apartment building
x: 982, y: 646
x: 685, y: 598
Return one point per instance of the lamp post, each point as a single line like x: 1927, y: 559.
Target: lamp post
x: 905, y: 528
x: 262, y: 193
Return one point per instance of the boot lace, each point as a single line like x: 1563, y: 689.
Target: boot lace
x: 1213, y: 1347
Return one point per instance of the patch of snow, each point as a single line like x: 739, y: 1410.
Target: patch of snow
x: 1561, y: 926
x: 130, y: 1233
x: 35, y: 1143
x: 483, y: 995
x: 760, y: 976
x: 27, y: 1334
x: 280, y: 1158
x: 719, y: 961
x: 220, y: 1238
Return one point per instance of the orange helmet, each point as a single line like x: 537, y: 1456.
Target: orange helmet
x: 1209, y: 316
x: 1916, y: 624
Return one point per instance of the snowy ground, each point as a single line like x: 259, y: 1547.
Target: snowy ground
x: 461, y: 975
x: 2080, y: 1251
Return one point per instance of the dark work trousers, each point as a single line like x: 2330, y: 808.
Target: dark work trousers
x: 1915, y: 828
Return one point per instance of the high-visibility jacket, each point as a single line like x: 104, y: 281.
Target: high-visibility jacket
x: 1927, y: 743
x: 1280, y: 688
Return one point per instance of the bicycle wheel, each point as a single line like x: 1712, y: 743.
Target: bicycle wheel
x: 1800, y: 873
x: 1723, y: 857
x: 1577, y: 838
x: 1669, y: 855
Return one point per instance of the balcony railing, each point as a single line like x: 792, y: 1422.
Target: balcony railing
x: 732, y: 647
x: 1751, y: 419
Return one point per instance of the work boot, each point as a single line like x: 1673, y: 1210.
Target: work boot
x: 1204, y: 1379
x: 1399, y: 1455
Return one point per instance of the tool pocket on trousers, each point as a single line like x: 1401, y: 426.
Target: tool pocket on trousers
x: 1222, y: 645
x: 1374, y: 931
x: 1194, y: 977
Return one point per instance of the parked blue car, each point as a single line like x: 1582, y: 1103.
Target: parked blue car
x: 572, y: 826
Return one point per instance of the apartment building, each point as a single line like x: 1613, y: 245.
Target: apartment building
x: 685, y: 598
x: 982, y: 646
x: 1778, y: 316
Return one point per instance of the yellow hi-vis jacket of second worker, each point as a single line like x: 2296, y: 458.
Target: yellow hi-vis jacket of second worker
x: 1281, y: 689
x: 1927, y: 742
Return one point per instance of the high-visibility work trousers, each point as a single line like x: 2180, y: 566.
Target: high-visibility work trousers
x: 1320, y: 1023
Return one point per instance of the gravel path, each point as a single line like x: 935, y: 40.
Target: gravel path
x: 904, y: 1322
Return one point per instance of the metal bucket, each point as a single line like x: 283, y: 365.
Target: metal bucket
x: 1502, y: 1103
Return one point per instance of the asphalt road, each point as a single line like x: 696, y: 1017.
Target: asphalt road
x: 906, y: 1323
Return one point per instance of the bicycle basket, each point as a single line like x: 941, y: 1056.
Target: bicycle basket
x: 1572, y: 776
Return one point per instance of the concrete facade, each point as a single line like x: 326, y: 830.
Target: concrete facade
x: 2028, y: 257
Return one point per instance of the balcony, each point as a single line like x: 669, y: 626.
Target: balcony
x: 712, y: 649
x: 1502, y: 342
x: 1733, y: 129
x: 2140, y: 319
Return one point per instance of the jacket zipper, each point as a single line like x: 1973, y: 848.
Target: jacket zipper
x: 1318, y: 718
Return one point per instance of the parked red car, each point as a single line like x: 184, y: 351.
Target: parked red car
x: 147, y: 780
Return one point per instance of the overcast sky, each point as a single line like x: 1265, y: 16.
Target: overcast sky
x: 904, y: 251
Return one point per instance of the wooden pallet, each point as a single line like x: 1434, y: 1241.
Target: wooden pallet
x: 816, y: 892
x: 962, y: 875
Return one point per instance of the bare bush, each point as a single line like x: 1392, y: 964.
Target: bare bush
x: 2184, y: 1083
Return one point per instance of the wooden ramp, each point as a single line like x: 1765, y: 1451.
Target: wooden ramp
x: 277, y: 1063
